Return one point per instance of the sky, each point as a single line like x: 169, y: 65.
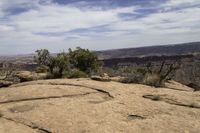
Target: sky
x: 28, y: 25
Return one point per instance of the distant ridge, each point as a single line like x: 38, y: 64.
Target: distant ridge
x: 166, y: 50
x: 161, y: 50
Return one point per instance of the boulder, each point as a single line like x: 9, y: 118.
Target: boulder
x: 117, y: 79
x: 99, y: 78
x: 25, y: 76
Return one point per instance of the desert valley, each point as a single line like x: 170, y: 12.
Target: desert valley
x: 115, y: 101
x: 99, y: 66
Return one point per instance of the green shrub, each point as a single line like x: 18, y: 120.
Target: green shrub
x: 110, y: 71
x: 84, y: 60
x: 55, y: 65
x: 133, y: 78
x: 42, y: 69
x: 42, y: 57
x: 127, y: 69
x: 56, y: 73
x: 60, y: 65
x: 141, y: 70
x: 75, y: 73
x: 50, y: 76
x: 153, y: 79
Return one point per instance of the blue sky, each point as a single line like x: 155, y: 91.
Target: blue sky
x: 27, y: 25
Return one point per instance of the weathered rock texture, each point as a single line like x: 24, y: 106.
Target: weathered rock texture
x: 86, y: 106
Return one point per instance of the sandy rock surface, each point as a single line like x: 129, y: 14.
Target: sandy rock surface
x: 86, y: 106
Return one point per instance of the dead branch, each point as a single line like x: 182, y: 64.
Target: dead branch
x: 6, y: 71
x: 148, y: 66
x: 161, y: 67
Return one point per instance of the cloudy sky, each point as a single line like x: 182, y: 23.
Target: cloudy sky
x: 27, y: 25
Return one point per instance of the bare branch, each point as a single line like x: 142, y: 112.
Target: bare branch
x: 173, y: 67
x: 149, y: 67
x: 6, y: 71
x: 161, y: 67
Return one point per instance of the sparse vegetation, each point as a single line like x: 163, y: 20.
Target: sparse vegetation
x: 56, y: 65
x: 42, y: 69
x: 149, y: 74
x: 158, y: 77
x: 43, y: 57
x: 128, y: 74
x: 74, y: 73
x: 152, y: 79
x: 75, y: 64
x: 59, y: 64
x: 6, y: 72
x: 133, y: 78
x: 80, y: 63
x: 84, y: 60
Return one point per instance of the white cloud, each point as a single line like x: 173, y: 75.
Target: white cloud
x: 173, y: 3
x: 56, y: 18
x: 186, y: 20
x: 20, y: 30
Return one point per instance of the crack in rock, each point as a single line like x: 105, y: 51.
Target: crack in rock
x: 77, y: 85
x: 63, y: 96
x: 170, y: 101
x: 45, y: 98
x: 133, y: 117
x: 68, y: 84
x: 31, y: 125
x: 41, y: 129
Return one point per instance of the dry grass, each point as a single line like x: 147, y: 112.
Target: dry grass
x: 152, y: 79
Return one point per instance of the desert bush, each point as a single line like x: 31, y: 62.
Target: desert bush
x: 73, y: 64
x: 54, y: 65
x: 141, y: 71
x: 127, y: 69
x: 7, y: 72
x: 84, y: 60
x: 157, y: 77
x: 153, y: 79
x: 75, y: 73
x: 42, y: 57
x: 130, y: 74
x: 133, y: 78
x: 110, y: 71
x: 42, y: 69
x: 60, y: 63
x: 54, y: 73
